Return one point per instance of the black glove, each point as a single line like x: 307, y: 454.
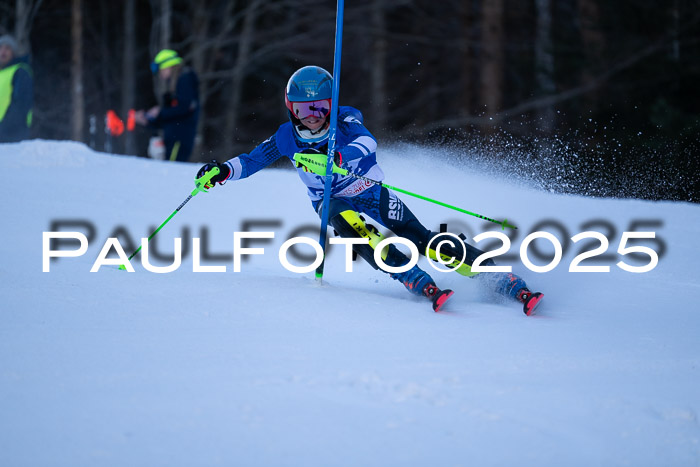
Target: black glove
x: 219, y: 178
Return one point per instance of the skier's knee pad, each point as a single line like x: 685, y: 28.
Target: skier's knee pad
x: 349, y: 224
x: 455, y: 254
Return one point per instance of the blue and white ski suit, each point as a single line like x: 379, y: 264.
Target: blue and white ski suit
x: 357, y: 147
x: 353, y: 141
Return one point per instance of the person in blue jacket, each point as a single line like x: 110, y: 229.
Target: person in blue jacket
x: 179, y: 113
x: 308, y: 100
x: 16, y: 93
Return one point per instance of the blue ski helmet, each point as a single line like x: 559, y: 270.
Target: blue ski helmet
x: 308, y: 84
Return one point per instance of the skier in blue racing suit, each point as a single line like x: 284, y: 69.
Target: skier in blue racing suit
x: 308, y: 100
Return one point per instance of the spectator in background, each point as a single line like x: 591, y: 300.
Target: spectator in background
x: 16, y: 93
x: 178, y: 113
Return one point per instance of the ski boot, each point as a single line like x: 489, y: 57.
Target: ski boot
x: 513, y: 286
x: 437, y: 296
x: 419, y: 282
x: 530, y: 300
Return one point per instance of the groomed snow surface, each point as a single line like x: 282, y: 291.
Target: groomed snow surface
x: 266, y: 368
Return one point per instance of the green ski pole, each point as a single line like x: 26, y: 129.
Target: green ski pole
x: 316, y: 163
x: 200, y: 185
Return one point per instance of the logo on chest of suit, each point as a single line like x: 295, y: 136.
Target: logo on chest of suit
x: 395, y: 208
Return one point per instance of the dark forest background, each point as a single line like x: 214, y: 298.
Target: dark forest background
x: 598, y: 97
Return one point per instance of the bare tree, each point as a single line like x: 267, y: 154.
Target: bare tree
x: 378, y: 71
x: 201, y: 20
x: 675, y: 27
x: 544, y: 62
x: 466, y: 82
x: 593, y: 44
x: 25, y: 12
x: 166, y: 13
x: 77, y: 91
x: 161, y: 33
x: 128, y: 69
x: 213, y: 24
x: 492, y: 56
x: 245, y: 45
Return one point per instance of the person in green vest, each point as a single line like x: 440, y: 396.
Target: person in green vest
x: 16, y: 93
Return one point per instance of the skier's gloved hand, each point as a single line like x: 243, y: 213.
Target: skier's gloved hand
x: 337, y: 158
x: 299, y: 165
x: 224, y: 172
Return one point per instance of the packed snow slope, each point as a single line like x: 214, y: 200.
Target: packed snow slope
x: 264, y: 367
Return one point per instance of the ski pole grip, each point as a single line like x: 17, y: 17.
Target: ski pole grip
x: 317, y: 163
x: 201, y: 182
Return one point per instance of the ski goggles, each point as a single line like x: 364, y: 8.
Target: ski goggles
x: 318, y: 109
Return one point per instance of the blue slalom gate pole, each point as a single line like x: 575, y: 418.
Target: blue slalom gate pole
x: 331, y: 135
